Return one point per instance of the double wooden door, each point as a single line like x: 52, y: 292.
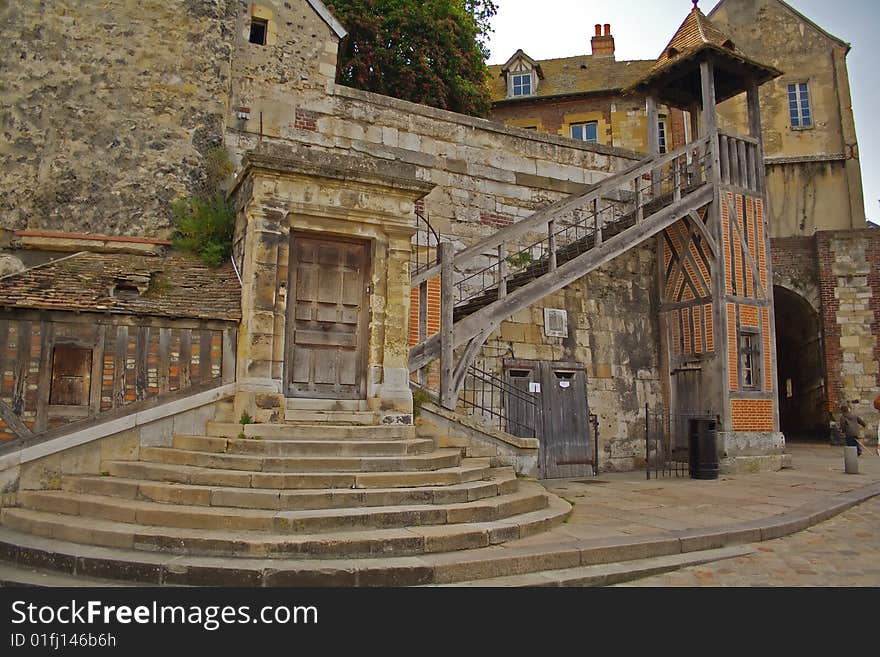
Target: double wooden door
x: 327, y: 318
x: 561, y: 416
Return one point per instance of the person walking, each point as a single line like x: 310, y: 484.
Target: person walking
x: 877, y: 406
x: 849, y: 426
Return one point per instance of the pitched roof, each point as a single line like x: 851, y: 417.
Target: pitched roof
x: 177, y: 285
x: 697, y: 34
x: 809, y: 22
x: 574, y: 75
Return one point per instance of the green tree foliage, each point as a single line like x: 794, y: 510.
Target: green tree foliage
x: 426, y: 51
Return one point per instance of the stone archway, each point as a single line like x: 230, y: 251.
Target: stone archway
x: 803, y: 399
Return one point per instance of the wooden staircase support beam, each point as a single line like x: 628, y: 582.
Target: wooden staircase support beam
x: 565, y: 274
x: 538, y: 221
x: 578, y: 267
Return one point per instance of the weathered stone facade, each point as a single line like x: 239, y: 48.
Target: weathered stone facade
x: 108, y: 109
x: 211, y: 85
x: 813, y: 173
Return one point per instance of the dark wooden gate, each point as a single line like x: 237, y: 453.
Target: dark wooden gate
x: 327, y: 329
x: 563, y: 427
x: 523, y: 416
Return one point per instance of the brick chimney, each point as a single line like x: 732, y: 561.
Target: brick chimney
x: 603, y: 45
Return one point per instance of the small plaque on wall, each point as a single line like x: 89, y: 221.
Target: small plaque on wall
x: 555, y: 323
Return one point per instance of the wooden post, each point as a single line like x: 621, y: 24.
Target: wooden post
x: 640, y: 210
x: 502, y: 271
x: 754, y: 107
x: 743, y: 171
x: 733, y: 151
x: 423, y: 326
x: 653, y: 119
x: 447, y: 331
x: 676, y: 180
x: 710, y: 117
x: 597, y: 236
x: 551, y: 239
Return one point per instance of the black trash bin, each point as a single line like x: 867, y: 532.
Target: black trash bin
x: 703, y: 448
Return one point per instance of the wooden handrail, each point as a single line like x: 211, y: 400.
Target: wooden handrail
x: 538, y: 221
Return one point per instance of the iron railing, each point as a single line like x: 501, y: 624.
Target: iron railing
x: 424, y: 245
x: 583, y: 227
x: 490, y: 398
x: 666, y: 443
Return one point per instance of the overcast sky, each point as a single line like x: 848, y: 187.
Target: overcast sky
x: 562, y: 28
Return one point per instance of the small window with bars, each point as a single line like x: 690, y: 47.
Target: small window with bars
x: 799, y: 105
x: 661, y: 136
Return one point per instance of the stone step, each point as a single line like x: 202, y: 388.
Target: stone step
x: 397, y: 542
x: 441, y: 458
x: 610, y: 574
x: 268, y: 447
x: 300, y: 416
x: 311, y: 431
x: 312, y: 521
x: 165, y: 568
x: 501, y: 482
x: 468, y: 470
x: 349, y: 405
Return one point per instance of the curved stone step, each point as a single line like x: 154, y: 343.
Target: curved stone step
x: 304, y: 416
x: 312, y: 521
x: 161, y: 568
x: 270, y: 447
x: 339, y: 545
x: 501, y: 482
x: 311, y: 431
x: 440, y: 458
x: 468, y: 470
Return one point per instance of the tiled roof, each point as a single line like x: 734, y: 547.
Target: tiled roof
x: 575, y: 75
x: 698, y: 33
x: 177, y: 285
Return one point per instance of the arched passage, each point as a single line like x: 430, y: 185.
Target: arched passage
x: 803, y: 402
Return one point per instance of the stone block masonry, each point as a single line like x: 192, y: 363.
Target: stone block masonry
x: 108, y: 109
x: 850, y: 293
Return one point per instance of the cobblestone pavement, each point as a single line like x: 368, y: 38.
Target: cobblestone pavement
x: 843, y: 551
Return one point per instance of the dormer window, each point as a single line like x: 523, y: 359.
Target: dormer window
x: 521, y: 84
x: 522, y: 74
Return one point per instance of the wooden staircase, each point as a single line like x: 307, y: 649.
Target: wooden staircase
x: 556, y: 246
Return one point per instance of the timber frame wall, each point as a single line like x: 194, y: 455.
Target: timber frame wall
x: 127, y: 359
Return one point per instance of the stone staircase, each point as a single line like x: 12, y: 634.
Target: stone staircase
x: 327, y: 484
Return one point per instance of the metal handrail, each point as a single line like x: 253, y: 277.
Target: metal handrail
x: 432, y: 239
x: 489, y: 396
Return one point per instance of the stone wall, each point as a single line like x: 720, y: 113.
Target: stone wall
x: 814, y: 178
x: 796, y: 268
x: 849, y: 270
x: 108, y: 109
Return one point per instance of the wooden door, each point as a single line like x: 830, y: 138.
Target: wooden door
x: 327, y: 328
x: 523, y: 415
x: 566, y: 446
